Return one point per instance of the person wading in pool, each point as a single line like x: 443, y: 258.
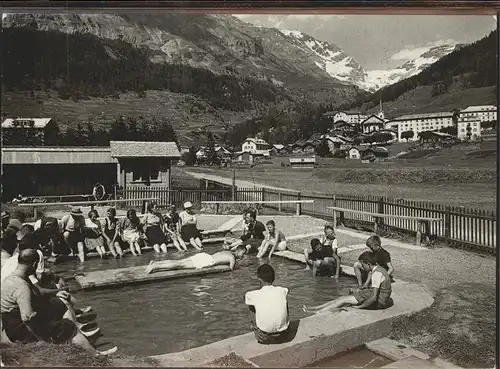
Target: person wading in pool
x: 198, y: 261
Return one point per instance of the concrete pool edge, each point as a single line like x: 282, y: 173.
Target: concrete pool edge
x: 318, y: 336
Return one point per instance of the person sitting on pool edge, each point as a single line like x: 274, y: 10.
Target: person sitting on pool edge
x: 254, y: 235
x: 198, y: 261
x: 383, y: 259
x: 329, y: 246
x: 232, y: 242
x: 275, y: 240
x: 376, y: 297
x: 271, y: 322
x: 73, y: 228
x: 314, y: 258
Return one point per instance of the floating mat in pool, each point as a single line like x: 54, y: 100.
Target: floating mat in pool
x: 131, y: 275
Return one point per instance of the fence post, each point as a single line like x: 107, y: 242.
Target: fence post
x: 334, y: 211
x: 280, y: 198
x: 299, y: 205
x: 233, y: 187
x: 263, y: 194
x: 447, y: 223
x: 35, y: 212
x: 380, y: 210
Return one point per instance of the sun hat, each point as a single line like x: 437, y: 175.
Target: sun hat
x: 15, y: 223
x: 5, y: 214
x: 75, y: 210
x: 188, y: 205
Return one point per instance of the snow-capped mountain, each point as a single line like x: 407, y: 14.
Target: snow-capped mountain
x: 343, y: 67
x: 376, y: 79
x: 225, y: 44
x: 330, y: 58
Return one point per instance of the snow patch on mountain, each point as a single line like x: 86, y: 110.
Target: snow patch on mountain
x: 376, y: 79
x: 330, y: 58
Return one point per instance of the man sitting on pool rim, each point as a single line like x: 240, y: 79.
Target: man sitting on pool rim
x: 199, y: 261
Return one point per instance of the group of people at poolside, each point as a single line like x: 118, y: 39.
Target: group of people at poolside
x: 271, y: 322
x: 256, y: 239
x: 75, y: 235
x: 35, y: 303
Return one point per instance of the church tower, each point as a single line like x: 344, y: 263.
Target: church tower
x: 381, y: 110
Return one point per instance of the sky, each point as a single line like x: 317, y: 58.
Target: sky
x: 381, y: 41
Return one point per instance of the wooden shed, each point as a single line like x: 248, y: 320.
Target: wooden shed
x: 144, y: 163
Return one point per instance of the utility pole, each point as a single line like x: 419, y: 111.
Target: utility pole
x: 234, y: 186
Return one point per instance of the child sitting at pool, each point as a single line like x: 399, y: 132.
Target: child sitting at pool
x: 270, y: 306
x: 275, y: 239
x: 94, y: 239
x: 327, y: 254
x: 171, y: 226
x: 314, y: 258
x: 198, y: 261
x: 130, y: 231
x: 383, y: 259
x: 375, y: 297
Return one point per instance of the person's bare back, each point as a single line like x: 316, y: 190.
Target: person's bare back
x: 225, y: 258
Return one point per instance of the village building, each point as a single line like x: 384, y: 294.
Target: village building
x: 364, y: 153
x: 256, y: 146
x: 25, y: 131
x: 222, y: 152
x: 372, y: 123
x: 351, y: 117
x: 436, y: 138
x: 335, y: 142
x: 183, y: 150
x: 419, y: 123
x: 483, y: 113
x: 278, y: 149
x: 246, y: 157
x: 468, y: 130
x: 309, y: 162
x: 51, y: 171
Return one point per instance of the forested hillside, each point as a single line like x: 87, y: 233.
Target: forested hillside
x: 81, y: 65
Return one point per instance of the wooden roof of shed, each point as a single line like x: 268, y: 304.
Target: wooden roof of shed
x: 137, y: 149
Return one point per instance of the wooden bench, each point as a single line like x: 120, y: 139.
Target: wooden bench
x: 423, y: 222
x: 298, y: 202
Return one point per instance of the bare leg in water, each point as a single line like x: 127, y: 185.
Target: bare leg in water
x: 331, y: 305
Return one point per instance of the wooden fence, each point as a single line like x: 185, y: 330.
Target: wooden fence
x: 460, y: 227
x: 176, y: 197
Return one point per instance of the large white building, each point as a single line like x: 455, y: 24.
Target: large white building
x: 350, y: 117
x: 255, y: 146
x: 483, y: 113
x: 420, y: 122
x: 433, y: 122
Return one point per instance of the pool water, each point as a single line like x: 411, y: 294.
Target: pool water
x: 176, y: 315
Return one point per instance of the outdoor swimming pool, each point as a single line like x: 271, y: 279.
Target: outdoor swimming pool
x: 176, y: 315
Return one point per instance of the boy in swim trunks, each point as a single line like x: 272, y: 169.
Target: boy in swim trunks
x: 198, y: 261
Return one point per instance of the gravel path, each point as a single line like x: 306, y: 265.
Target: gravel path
x: 239, y: 182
